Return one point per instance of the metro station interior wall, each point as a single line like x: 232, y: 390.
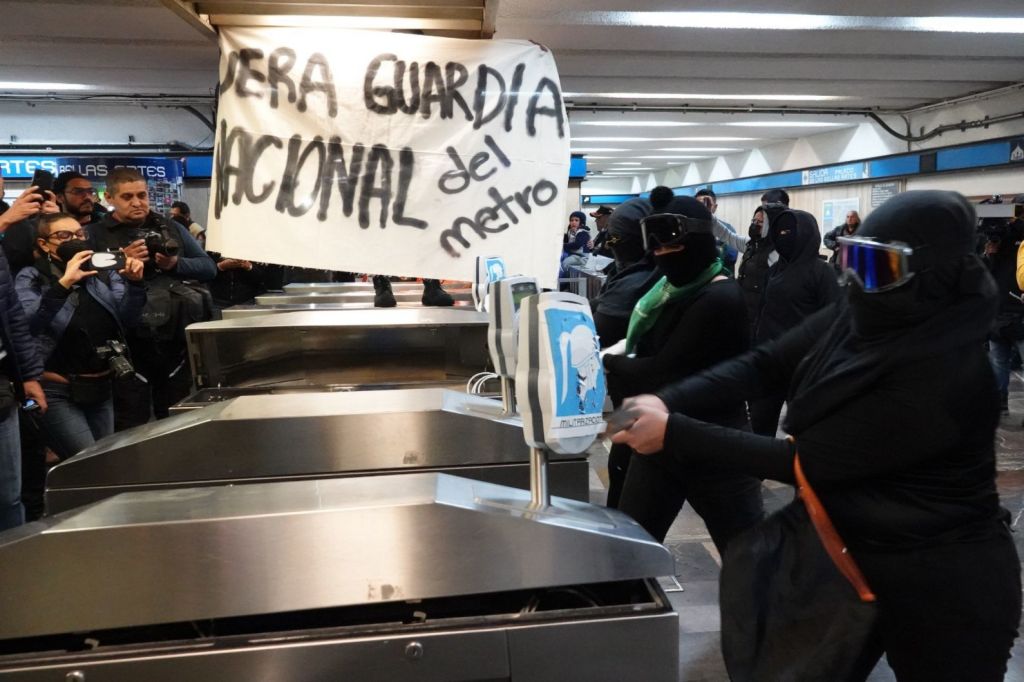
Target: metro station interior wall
x: 1006, y: 181
x: 863, y: 141
x: 610, y: 185
x: 997, y: 106
x: 196, y: 193
x: 71, y: 124
x: 739, y: 208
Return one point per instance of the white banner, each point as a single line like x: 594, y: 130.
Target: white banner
x: 388, y: 153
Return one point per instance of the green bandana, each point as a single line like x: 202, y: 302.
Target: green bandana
x: 649, y: 308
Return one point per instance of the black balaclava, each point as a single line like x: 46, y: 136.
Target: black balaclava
x: 939, y: 226
x: 801, y: 239
x: 624, y: 236
x: 699, y: 248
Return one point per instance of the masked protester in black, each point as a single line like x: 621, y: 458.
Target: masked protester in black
x: 892, y: 405
x: 633, y: 275
x: 798, y: 285
x: 753, y: 271
x: 692, y: 331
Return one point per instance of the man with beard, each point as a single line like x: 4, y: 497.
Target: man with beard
x: 692, y: 318
x: 77, y: 197
x: 157, y: 343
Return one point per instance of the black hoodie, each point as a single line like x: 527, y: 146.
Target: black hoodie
x: 800, y: 283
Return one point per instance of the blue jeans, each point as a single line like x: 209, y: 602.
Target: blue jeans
x: 999, y: 353
x: 11, y: 512
x: 70, y: 427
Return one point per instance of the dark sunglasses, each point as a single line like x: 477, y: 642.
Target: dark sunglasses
x: 669, y: 229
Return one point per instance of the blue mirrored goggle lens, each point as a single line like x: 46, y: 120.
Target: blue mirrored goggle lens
x: 876, y: 266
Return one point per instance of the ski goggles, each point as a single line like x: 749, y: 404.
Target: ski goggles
x: 668, y: 229
x: 876, y: 266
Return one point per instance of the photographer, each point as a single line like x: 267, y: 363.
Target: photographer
x: 174, y: 263
x: 77, y: 316
x: 1002, y: 240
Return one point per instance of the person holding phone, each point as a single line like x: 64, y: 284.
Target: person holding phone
x: 77, y: 314
x: 17, y: 223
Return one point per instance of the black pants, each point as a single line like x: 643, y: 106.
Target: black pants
x: 618, y: 465
x: 947, y: 613
x: 655, y: 490
x: 167, y: 379
x: 764, y: 415
x: 33, y: 465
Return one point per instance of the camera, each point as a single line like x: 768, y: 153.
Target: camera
x: 157, y: 243
x: 115, y: 353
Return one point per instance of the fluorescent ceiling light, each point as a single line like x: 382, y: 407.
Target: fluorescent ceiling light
x: 636, y: 124
x: 663, y: 139
x: 48, y: 87
x: 675, y: 157
x: 626, y: 163
x: 715, y: 150
x: 782, y: 124
x: 778, y: 21
x: 584, y: 150
x: 704, y: 96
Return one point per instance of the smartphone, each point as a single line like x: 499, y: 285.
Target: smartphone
x: 43, y: 179
x: 107, y: 260
x: 29, y: 405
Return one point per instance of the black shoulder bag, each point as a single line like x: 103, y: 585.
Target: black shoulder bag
x: 794, y: 604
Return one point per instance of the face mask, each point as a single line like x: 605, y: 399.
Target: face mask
x: 67, y: 250
x: 755, y: 230
x: 785, y: 243
x: 682, y: 267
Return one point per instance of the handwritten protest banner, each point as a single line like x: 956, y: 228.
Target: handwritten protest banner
x: 388, y: 153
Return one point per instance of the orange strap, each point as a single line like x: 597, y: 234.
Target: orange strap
x: 834, y: 544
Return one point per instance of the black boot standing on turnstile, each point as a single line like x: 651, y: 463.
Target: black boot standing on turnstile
x: 433, y: 294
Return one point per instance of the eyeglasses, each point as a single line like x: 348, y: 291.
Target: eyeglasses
x: 65, y: 235
x: 875, y: 265
x: 82, y: 191
x: 668, y: 229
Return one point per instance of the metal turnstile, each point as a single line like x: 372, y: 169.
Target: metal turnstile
x: 363, y: 298
x: 259, y: 438
x: 363, y: 287
x: 384, y: 347
x: 412, y: 577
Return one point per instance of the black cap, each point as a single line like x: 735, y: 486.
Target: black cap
x: 601, y: 210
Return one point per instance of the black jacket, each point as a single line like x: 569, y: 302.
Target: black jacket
x: 908, y: 461
x: 193, y: 263
x: 620, y: 292
x: 689, y: 336
x: 796, y: 287
x: 753, y: 276
x: 23, y: 362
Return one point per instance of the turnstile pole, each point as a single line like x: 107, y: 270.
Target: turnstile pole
x: 540, y: 495
x: 508, y: 396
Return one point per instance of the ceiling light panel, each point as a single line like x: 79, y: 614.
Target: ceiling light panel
x: 45, y: 87
x: 761, y: 97
x: 663, y: 139
x: 777, y: 21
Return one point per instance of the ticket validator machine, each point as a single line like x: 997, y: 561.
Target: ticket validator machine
x: 560, y: 384
x: 505, y: 297
x: 488, y: 269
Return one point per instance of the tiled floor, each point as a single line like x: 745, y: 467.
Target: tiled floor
x: 697, y: 562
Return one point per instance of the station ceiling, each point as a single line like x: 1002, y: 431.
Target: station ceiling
x: 654, y: 82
